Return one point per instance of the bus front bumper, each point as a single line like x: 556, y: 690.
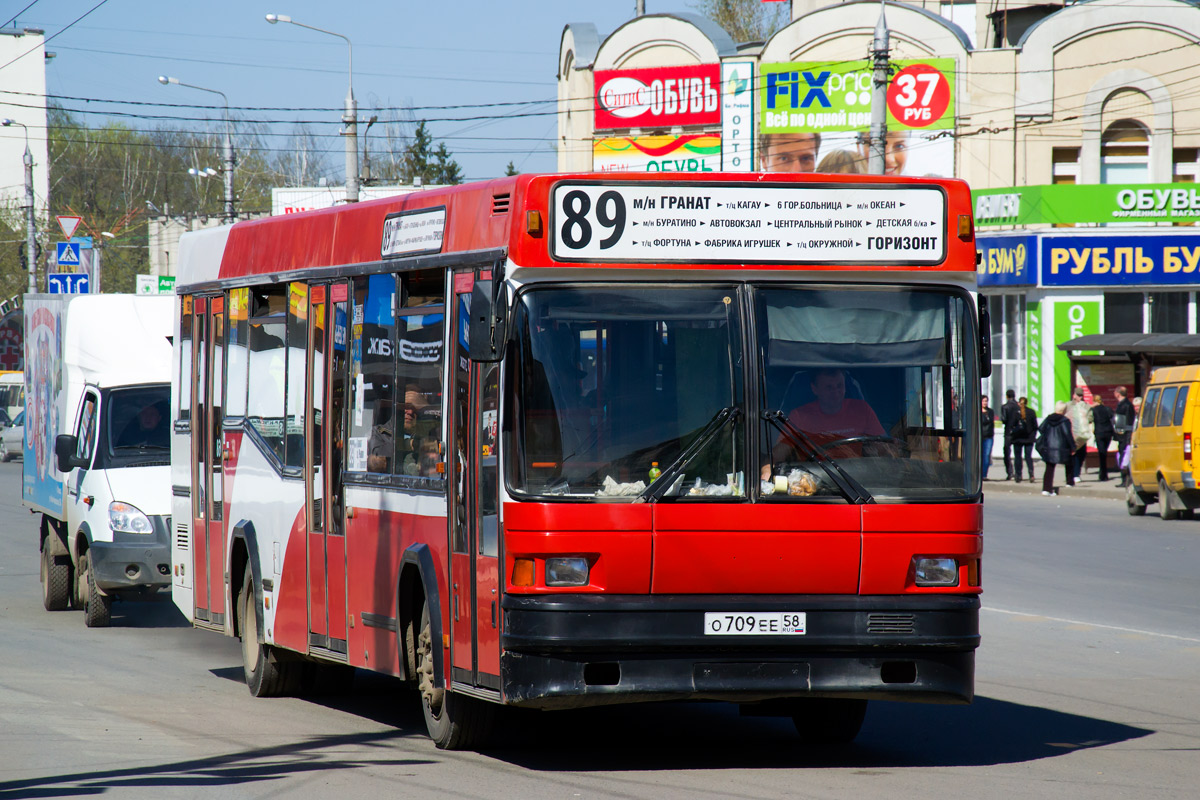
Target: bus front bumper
x: 582, y: 650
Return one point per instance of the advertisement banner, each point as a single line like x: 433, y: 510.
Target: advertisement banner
x: 1072, y: 204
x: 826, y: 106
x: 737, y: 116
x: 1033, y: 377
x: 658, y: 97
x: 1071, y: 320
x: 1007, y: 261
x: 692, y: 152
x: 1139, y: 260
x: 44, y: 402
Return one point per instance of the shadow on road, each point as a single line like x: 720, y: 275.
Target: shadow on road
x: 153, y: 612
x: 715, y: 736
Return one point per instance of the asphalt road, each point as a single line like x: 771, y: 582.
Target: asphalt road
x: 1087, y: 687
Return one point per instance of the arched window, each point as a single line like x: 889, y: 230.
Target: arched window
x: 1125, y: 153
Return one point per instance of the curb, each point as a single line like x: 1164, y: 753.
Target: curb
x: 1087, y: 487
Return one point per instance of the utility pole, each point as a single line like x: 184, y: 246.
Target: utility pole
x: 226, y: 147
x: 879, y: 60
x: 30, y: 216
x: 639, y: 8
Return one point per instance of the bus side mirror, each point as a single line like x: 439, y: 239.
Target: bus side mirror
x: 985, y: 338
x: 489, y: 324
x: 64, y: 453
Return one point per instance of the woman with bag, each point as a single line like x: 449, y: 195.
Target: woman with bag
x: 1024, y: 433
x: 1056, y: 445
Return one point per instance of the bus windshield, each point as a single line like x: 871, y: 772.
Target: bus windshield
x: 636, y: 393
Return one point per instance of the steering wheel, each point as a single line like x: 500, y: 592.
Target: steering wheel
x: 866, y: 439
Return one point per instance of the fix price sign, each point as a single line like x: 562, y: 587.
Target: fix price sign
x: 918, y: 95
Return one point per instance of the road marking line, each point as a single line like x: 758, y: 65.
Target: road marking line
x: 1092, y: 624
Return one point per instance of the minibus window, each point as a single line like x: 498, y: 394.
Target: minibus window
x: 1167, y: 406
x: 1149, y: 408
x: 1180, y: 404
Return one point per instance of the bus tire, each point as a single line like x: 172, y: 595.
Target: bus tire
x: 824, y: 720
x: 97, y: 608
x: 267, y: 675
x: 454, y: 721
x: 1134, y: 502
x: 56, y: 578
x: 1166, y: 506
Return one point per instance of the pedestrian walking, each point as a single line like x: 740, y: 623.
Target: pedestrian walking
x: 1024, y: 434
x: 987, y: 419
x: 1104, y: 430
x: 1080, y: 414
x: 1009, y: 416
x: 1123, y: 426
x: 1056, y: 445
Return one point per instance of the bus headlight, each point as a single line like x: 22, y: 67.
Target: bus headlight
x: 571, y: 571
x: 935, y: 571
x: 125, y: 518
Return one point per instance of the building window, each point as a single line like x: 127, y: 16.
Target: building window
x: 1125, y: 153
x: 1168, y: 311
x: 1185, y: 166
x: 1066, y: 164
x: 1008, y: 347
x: 1123, y: 312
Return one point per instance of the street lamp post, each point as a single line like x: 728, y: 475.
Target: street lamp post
x: 30, y: 218
x: 230, y: 161
x: 349, y: 117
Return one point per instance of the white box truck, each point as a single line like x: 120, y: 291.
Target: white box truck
x: 97, y: 446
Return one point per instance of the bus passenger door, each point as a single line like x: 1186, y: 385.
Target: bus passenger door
x: 475, y: 601
x: 207, y: 502
x: 327, y: 337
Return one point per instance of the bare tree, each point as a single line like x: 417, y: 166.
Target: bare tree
x: 746, y: 20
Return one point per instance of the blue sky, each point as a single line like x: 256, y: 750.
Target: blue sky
x: 431, y: 54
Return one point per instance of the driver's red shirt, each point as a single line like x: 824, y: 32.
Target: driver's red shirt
x: 855, y: 418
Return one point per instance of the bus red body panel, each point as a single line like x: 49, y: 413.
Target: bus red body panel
x: 766, y: 550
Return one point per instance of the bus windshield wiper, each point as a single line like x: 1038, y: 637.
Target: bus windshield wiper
x: 854, y: 491
x: 715, y: 425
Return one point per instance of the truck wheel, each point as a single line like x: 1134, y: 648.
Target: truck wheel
x: 4, y: 454
x: 267, y: 675
x: 1134, y: 503
x: 56, y: 579
x: 822, y: 720
x: 1166, y: 507
x: 454, y: 721
x: 97, y: 608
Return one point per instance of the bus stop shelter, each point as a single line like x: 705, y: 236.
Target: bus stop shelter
x: 1115, y: 359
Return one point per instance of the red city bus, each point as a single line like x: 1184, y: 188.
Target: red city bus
x: 566, y: 440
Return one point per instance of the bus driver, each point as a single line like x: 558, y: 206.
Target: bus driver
x: 830, y: 417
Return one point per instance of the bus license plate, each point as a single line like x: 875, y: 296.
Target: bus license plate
x: 722, y: 623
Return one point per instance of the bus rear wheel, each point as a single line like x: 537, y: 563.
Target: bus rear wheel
x: 824, y: 720
x: 267, y: 675
x: 454, y: 721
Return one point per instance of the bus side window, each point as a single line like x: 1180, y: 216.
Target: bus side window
x: 374, y: 417
x: 420, y: 326
x: 185, y: 359
x: 237, y: 357
x: 268, y: 332
x: 297, y: 374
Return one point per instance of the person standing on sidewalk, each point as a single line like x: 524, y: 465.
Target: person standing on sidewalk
x: 1123, y: 425
x: 1102, y: 427
x: 987, y: 418
x: 1056, y: 445
x: 1024, y: 433
x: 1010, y: 414
x: 1080, y: 414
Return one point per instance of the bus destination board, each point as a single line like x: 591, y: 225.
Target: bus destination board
x: 733, y: 223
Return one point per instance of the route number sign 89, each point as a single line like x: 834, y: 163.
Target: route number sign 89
x: 580, y: 222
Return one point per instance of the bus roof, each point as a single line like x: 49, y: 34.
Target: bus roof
x: 612, y: 220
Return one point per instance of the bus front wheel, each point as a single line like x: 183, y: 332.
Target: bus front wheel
x: 267, y: 675
x: 454, y: 721
x: 823, y: 720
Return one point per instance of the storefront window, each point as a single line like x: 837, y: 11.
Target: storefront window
x: 1123, y: 312
x: 1168, y: 312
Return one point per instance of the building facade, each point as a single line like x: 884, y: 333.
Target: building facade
x: 1077, y: 125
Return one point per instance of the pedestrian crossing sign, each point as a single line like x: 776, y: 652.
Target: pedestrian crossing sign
x: 68, y: 254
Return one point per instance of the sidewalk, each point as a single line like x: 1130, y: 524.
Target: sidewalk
x: 1088, y: 485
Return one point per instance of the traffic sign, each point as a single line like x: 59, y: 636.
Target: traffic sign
x: 68, y: 225
x: 68, y: 254
x: 67, y: 283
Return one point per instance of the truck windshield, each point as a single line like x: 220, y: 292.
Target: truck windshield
x: 620, y: 387
x: 138, y: 420
x: 627, y: 393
